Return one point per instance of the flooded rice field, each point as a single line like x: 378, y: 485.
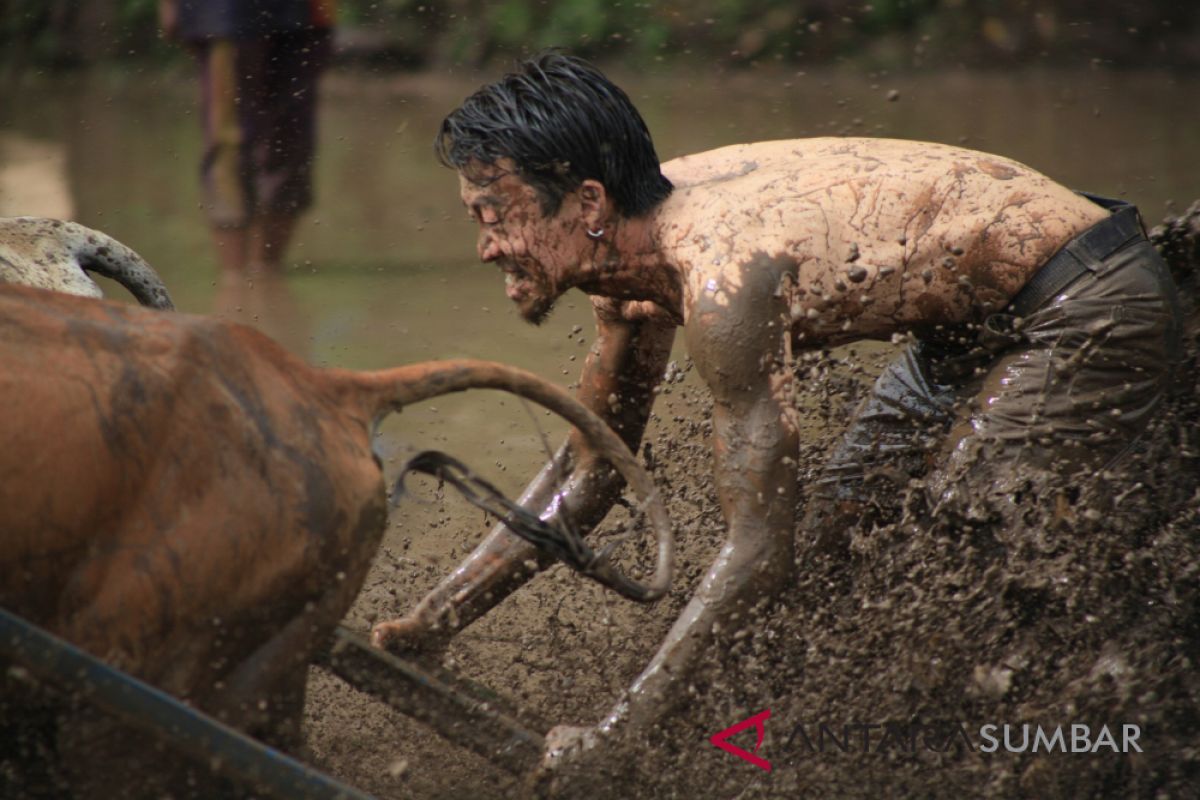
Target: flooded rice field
x: 1093, y: 623
x: 383, y: 270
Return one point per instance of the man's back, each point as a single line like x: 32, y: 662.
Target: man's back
x: 886, y: 233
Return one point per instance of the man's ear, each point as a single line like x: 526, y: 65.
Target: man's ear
x: 593, y: 204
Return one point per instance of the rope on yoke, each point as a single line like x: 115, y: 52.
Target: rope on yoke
x: 557, y: 540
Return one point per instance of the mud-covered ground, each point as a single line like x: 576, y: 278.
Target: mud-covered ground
x: 937, y: 627
x: 562, y: 647
x: 1088, y: 612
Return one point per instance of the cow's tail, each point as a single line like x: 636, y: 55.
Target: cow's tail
x: 100, y: 253
x: 391, y: 390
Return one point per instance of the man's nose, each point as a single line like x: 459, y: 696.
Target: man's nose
x: 488, y: 247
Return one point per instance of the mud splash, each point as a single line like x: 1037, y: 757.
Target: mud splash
x: 1072, y: 617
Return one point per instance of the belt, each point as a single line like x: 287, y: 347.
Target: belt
x: 1081, y: 255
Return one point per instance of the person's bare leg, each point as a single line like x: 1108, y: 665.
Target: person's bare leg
x: 230, y: 244
x: 256, y: 292
x: 268, y: 240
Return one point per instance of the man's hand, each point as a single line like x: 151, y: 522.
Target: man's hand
x: 566, y: 741
x: 626, y: 362
x: 571, y: 764
x: 411, y: 635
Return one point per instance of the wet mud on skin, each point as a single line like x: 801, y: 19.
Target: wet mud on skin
x: 876, y: 638
x: 1068, y: 617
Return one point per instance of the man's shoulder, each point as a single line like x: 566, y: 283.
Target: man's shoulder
x: 733, y: 161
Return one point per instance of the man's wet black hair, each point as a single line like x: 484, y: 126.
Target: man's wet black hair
x: 562, y: 122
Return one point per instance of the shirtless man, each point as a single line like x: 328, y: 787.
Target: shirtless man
x: 1042, y: 328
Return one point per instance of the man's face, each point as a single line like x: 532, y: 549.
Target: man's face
x: 533, y: 250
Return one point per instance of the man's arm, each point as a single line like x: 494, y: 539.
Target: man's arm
x: 740, y: 344
x: 625, y: 364
x: 754, y: 447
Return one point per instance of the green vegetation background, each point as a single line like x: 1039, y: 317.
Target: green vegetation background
x: 884, y: 33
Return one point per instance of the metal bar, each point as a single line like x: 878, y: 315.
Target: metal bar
x: 457, y: 709
x: 228, y: 752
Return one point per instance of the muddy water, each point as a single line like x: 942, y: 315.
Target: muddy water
x: 383, y: 272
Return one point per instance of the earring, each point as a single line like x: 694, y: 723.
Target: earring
x: 595, y: 234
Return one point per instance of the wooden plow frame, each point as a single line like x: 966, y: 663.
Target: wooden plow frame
x: 461, y: 711
x: 456, y: 708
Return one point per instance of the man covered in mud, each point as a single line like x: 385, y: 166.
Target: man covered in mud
x: 1040, y: 327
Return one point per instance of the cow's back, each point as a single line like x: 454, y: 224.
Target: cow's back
x: 171, y: 487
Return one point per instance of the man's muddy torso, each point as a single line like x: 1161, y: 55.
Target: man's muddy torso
x: 864, y: 238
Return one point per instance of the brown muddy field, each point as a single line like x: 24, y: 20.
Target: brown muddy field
x: 1088, y: 613
x: 1075, y: 618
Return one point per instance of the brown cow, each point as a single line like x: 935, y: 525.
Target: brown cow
x: 186, y: 500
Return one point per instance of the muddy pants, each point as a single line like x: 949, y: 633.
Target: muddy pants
x: 1055, y: 390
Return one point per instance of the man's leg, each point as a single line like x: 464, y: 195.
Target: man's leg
x: 267, y: 241
x: 893, y: 436
x: 258, y: 110
x: 222, y: 164
x: 283, y: 101
x: 230, y: 244
x: 1068, y: 403
x: 274, y: 155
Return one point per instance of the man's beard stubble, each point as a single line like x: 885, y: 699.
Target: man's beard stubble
x: 536, y: 310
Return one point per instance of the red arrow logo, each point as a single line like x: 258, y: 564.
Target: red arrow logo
x: 759, y: 723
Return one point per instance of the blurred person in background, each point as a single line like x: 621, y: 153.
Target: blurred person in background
x: 259, y: 64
